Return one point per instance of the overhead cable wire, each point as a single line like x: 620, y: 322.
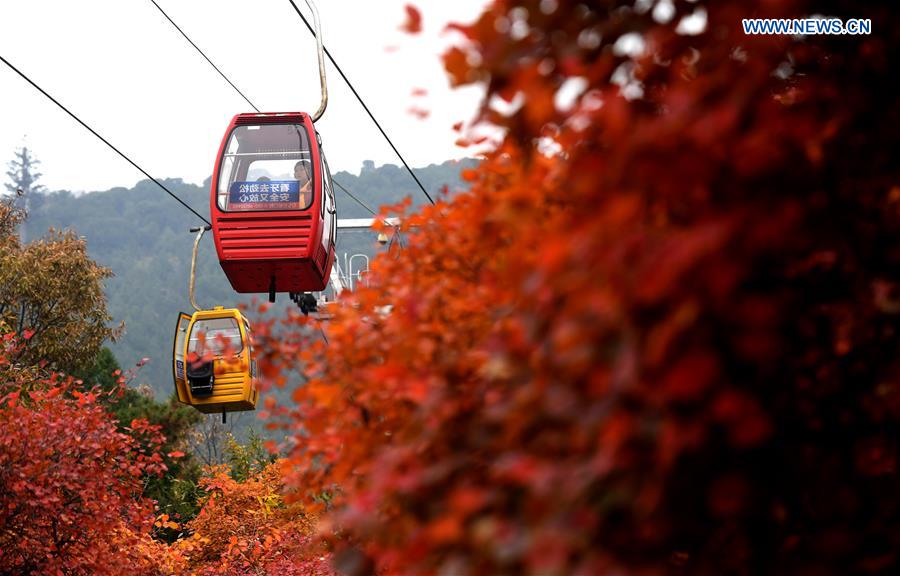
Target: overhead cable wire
x: 191, y: 42
x: 358, y: 201
x: 230, y: 83
x: 104, y: 140
x: 366, y: 108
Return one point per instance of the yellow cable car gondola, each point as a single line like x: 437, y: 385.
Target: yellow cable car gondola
x: 212, y: 358
x: 215, y: 370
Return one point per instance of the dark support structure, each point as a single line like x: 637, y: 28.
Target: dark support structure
x: 307, y: 303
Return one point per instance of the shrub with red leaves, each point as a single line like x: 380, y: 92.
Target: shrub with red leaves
x: 70, y: 484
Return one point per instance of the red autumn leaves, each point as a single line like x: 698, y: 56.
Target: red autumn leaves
x: 70, y: 483
x: 413, y: 23
x: 657, y: 336
x: 614, y: 354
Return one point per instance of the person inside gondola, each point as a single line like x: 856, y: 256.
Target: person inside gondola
x: 301, y: 174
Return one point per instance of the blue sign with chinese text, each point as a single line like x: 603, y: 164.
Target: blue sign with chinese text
x: 268, y: 195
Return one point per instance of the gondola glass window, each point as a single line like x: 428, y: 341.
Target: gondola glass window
x: 215, y: 336
x: 259, y: 169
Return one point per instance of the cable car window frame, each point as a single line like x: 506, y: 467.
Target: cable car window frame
x: 332, y: 204
x: 328, y: 200
x: 324, y: 181
x: 326, y: 177
x: 247, y: 332
x: 332, y: 201
x: 219, y: 352
x: 232, y: 160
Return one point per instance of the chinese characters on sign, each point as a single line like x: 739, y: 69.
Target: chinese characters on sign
x: 273, y: 195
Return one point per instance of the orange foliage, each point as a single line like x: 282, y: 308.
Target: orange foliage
x: 246, y: 528
x: 659, y: 333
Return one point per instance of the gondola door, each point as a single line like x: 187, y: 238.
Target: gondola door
x: 181, y: 331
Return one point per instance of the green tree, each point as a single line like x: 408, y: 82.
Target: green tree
x: 51, y: 293
x: 249, y: 459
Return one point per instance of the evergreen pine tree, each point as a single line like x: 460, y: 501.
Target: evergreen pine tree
x: 23, y: 177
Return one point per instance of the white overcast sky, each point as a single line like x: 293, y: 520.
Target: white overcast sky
x: 123, y: 68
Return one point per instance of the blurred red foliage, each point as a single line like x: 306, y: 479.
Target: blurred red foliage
x: 413, y: 24
x: 661, y: 333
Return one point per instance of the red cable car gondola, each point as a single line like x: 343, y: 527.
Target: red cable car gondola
x: 272, y: 205
x: 272, y: 202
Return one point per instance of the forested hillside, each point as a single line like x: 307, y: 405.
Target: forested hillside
x: 141, y: 234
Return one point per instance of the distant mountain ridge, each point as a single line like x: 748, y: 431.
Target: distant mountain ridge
x: 142, y: 235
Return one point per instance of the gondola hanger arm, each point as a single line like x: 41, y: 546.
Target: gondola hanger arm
x: 320, y: 50
x: 199, y: 230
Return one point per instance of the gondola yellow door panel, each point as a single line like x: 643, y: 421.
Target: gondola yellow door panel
x: 214, y: 367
